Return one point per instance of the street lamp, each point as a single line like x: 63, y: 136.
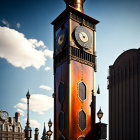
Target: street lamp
x: 50, y: 123
x: 49, y: 132
x: 100, y: 114
x: 28, y: 130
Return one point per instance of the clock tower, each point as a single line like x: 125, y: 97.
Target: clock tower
x: 74, y: 68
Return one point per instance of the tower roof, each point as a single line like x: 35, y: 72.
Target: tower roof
x: 125, y: 56
x: 69, y: 10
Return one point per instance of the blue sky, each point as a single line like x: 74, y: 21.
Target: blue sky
x: 26, y: 45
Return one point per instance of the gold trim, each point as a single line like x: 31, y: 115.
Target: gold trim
x: 94, y: 84
x: 84, y: 24
x: 70, y: 74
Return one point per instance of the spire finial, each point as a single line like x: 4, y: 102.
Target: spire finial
x: 44, y: 135
x: 98, y: 90
x: 44, y: 131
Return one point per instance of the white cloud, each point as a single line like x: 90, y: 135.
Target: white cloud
x: 21, y: 105
x: 5, y: 22
x: 37, y: 43
x: 18, y: 25
x: 33, y: 123
x: 47, y: 68
x: 38, y: 103
x: 45, y: 87
x: 48, y: 53
x: 21, y: 112
x: 20, y: 51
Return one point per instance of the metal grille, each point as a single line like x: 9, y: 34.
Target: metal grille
x: 61, y: 121
x: 61, y: 92
x: 82, y: 91
x: 82, y: 120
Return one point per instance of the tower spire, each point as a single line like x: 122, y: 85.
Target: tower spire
x: 76, y: 4
x: 28, y: 129
x: 28, y: 97
x: 44, y: 135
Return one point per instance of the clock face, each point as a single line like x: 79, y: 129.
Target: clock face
x: 4, y: 115
x: 83, y: 36
x: 60, y: 39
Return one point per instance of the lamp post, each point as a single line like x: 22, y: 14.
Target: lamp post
x: 28, y: 130
x: 49, y: 132
x: 100, y: 114
x: 101, y: 128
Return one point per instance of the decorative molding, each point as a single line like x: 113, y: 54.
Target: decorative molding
x: 82, y: 21
x: 72, y: 53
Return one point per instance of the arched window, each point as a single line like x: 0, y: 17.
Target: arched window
x: 18, y: 129
x: 13, y: 128
x: 61, y: 92
x: 5, y: 127
x: 82, y: 91
x: 61, y: 121
x: 82, y: 120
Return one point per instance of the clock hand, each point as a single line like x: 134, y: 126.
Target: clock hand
x: 82, y: 34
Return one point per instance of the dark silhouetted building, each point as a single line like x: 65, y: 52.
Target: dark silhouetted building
x: 124, y: 97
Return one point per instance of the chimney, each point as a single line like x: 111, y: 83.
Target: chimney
x: 17, y: 116
x: 36, y: 134
x: 76, y: 4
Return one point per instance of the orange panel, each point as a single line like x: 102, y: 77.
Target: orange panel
x: 80, y: 72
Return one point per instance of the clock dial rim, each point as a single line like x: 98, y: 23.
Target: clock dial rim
x: 60, y: 45
x: 59, y: 41
x: 78, y: 30
x: 4, y: 117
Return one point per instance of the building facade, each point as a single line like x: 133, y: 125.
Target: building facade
x: 124, y: 97
x: 10, y: 127
x: 74, y: 70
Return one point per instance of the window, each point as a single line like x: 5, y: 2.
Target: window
x: 61, y: 92
x: 18, y: 129
x: 10, y: 128
x: 13, y: 128
x: 0, y: 126
x: 5, y: 127
x: 82, y: 120
x: 82, y: 91
x: 61, y: 121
